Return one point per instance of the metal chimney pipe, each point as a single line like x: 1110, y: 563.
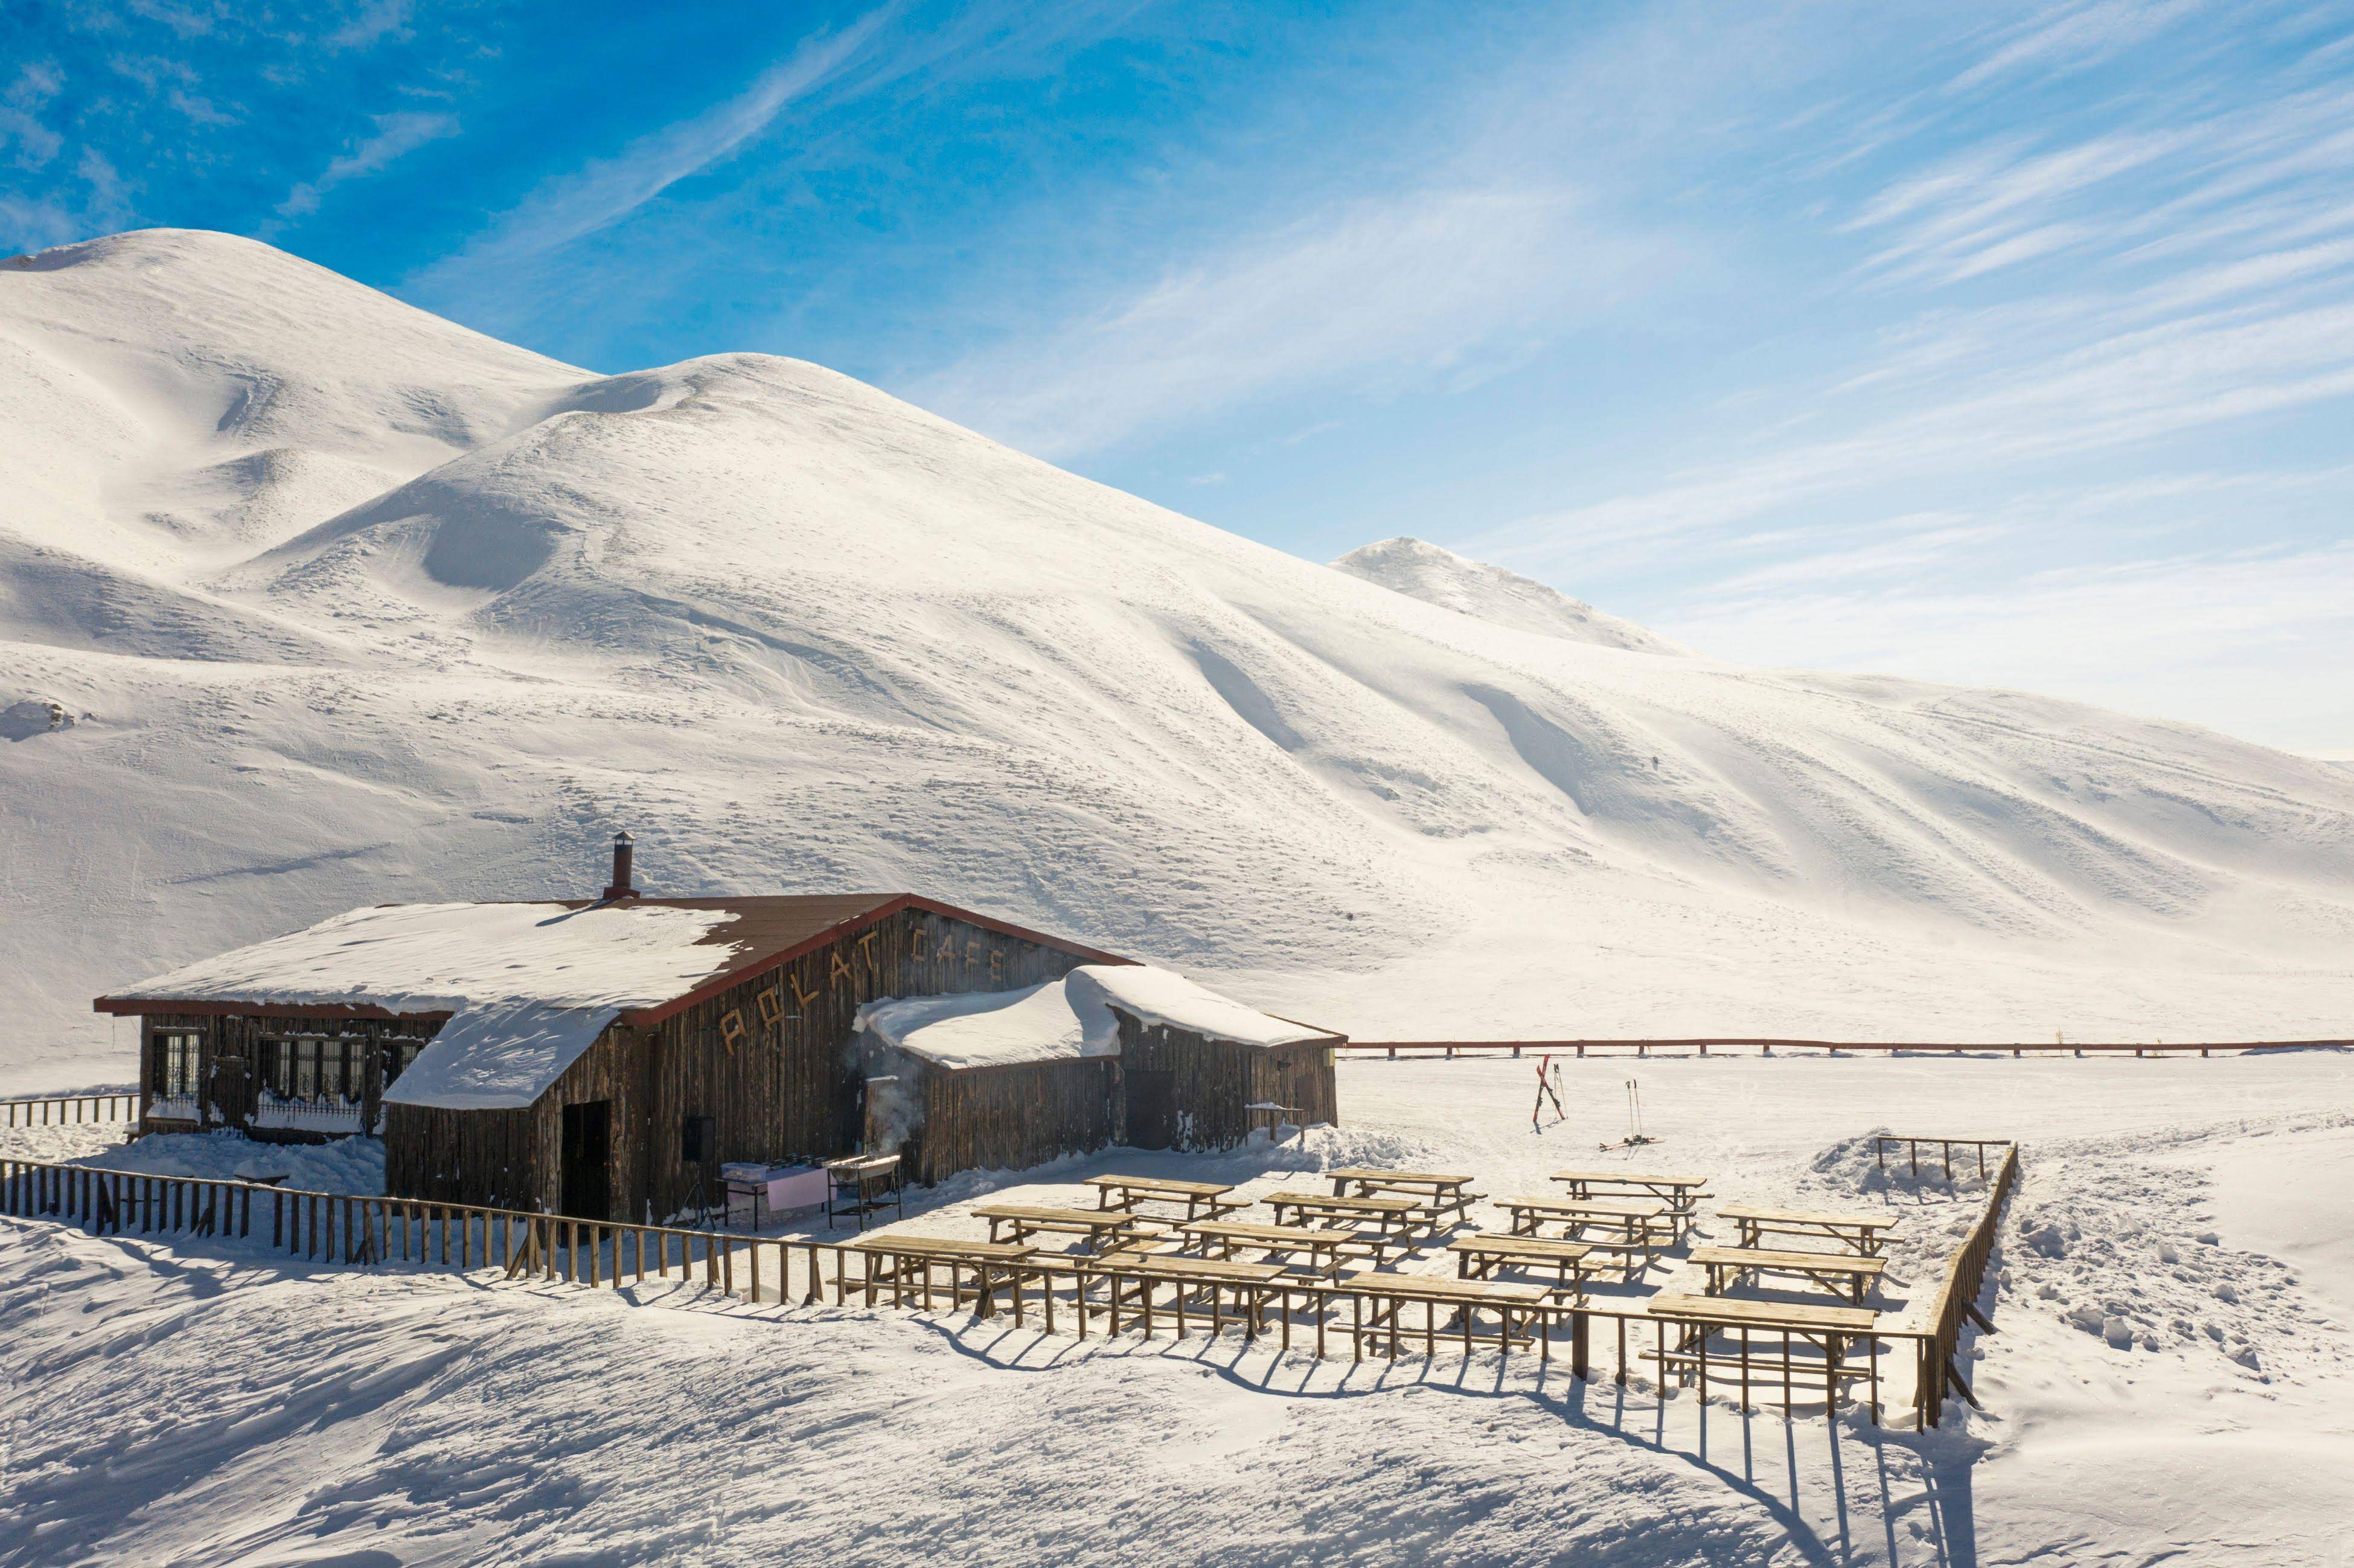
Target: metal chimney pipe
x: 621, y: 888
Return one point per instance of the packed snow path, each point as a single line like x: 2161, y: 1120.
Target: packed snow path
x: 166, y: 1406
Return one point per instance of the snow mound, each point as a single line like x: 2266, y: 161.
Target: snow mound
x: 1065, y: 1019
x: 1475, y: 589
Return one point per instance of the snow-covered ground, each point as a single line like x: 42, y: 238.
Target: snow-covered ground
x: 339, y: 604
x: 168, y: 1403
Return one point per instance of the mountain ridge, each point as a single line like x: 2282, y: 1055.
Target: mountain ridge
x: 797, y: 634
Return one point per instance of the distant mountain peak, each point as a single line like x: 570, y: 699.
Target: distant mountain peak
x: 1440, y: 576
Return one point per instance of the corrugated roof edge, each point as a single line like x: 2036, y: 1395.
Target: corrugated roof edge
x: 636, y: 1017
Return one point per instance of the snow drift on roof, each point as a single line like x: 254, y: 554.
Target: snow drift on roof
x: 431, y: 958
x: 528, y: 987
x: 1066, y: 1019
x: 500, y: 1055
x: 1154, y: 996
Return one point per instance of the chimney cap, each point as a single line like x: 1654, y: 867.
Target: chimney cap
x: 623, y: 838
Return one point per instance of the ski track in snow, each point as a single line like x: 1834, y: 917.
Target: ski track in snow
x: 201, y: 1403
x: 348, y: 605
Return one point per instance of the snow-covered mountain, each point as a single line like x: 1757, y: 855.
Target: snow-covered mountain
x: 1442, y: 578
x: 348, y: 604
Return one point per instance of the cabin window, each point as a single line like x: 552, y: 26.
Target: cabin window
x: 331, y: 1069
x: 306, y: 1069
x: 176, y: 1061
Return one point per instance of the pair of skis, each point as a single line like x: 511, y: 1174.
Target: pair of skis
x: 1549, y: 1088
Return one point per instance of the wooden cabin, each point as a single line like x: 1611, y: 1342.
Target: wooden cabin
x: 604, y: 1058
x: 1128, y: 1055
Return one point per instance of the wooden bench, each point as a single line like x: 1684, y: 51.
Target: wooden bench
x: 1632, y: 1228
x: 1325, y: 1247
x: 1680, y: 1193
x: 1478, y: 1258
x: 1828, y: 1330
x: 1403, y: 1216
x: 1125, y: 1192
x: 1439, y: 1194
x: 889, y: 1259
x: 1857, y: 1233
x: 1131, y: 1277
x: 1842, y: 1274
x: 1378, y: 1299
x: 1099, y: 1226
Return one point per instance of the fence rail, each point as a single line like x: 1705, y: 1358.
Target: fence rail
x: 1957, y: 1299
x: 55, y: 1110
x: 1395, y: 1049
x: 360, y: 1230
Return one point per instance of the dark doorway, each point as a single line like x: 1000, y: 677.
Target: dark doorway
x: 232, y: 1093
x: 1151, y: 1108
x: 589, y: 1160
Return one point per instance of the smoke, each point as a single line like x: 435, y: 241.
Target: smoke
x: 895, y: 1107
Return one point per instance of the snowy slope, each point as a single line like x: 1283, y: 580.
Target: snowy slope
x: 157, y: 1392
x: 362, y: 607
x: 1442, y: 578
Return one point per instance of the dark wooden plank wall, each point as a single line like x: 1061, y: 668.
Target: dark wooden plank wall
x: 1217, y: 1080
x: 788, y: 1089
x: 1011, y: 1117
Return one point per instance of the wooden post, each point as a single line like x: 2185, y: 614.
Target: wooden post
x: 1579, y: 1338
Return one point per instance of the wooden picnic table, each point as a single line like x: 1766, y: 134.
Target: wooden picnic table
x: 1630, y: 1226
x: 1843, y: 1273
x: 1378, y: 1299
x: 1828, y: 1328
x: 1479, y: 1257
x: 1115, y: 1192
x: 1404, y: 1214
x: 1677, y: 1191
x: 1857, y: 1233
x: 993, y: 1264
x: 1099, y: 1225
x: 1131, y: 1276
x: 1325, y: 1246
x: 1439, y: 1194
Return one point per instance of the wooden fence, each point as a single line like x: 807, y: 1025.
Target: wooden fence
x: 1957, y: 1291
x: 357, y: 1230
x: 1394, y: 1049
x: 55, y: 1110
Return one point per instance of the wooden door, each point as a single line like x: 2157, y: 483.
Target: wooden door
x: 1151, y: 1107
x: 588, y: 1161
x: 232, y: 1091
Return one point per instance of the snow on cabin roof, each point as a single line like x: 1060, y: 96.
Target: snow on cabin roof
x: 1067, y: 1018
x: 525, y: 987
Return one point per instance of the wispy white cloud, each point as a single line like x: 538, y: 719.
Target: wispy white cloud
x: 395, y: 136
x: 606, y: 191
x: 1428, y: 279
x: 373, y: 22
x: 2072, y: 35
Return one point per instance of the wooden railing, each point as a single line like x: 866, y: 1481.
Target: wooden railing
x: 1449, y: 1049
x: 360, y: 1230
x: 54, y: 1111
x: 1958, y: 1295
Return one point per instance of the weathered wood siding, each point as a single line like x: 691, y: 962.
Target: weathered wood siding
x: 788, y: 1088
x: 514, y: 1159
x: 1010, y: 1119
x: 1216, y: 1081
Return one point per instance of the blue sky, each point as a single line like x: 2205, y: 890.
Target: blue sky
x: 2003, y: 343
